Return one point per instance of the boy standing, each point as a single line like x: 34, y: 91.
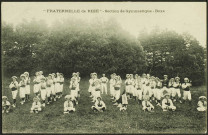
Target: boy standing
x: 14, y: 86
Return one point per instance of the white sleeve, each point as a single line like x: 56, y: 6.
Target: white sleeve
x: 11, y: 85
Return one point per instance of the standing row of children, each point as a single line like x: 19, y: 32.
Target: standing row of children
x: 145, y: 89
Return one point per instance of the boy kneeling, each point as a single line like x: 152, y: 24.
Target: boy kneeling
x: 36, y: 105
x: 99, y: 105
x: 68, y: 105
x: 167, y: 103
x: 6, y: 106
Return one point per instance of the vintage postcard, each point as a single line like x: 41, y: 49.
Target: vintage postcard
x: 104, y: 67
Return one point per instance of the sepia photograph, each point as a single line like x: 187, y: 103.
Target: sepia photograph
x: 104, y: 67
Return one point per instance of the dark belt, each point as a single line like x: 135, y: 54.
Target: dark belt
x: 13, y: 89
x: 117, y: 88
x: 22, y: 86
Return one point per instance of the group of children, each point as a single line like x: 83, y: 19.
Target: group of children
x: 50, y: 88
x: 144, y: 89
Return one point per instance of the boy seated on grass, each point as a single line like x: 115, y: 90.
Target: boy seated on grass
x: 68, y: 105
x: 99, y: 105
x: 202, y: 104
x: 36, y: 105
x: 146, y: 105
x: 6, y: 106
x: 167, y: 103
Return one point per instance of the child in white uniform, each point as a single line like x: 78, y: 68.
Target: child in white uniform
x: 57, y: 85
x: 43, y: 90
x: 36, y: 81
x: 152, y: 90
x: 176, y: 91
x: 14, y: 88
x: 159, y: 91
x: 97, y: 88
x: 99, y: 105
x: 112, y: 81
x: 68, y: 105
x: 104, y: 81
x: 6, y: 106
x: 36, y: 105
x: 123, y: 101
x: 49, y: 83
x: 186, y: 90
x: 202, y: 104
x: 167, y: 103
x: 78, y: 81
x: 73, y: 87
x: 61, y: 84
x: 90, y: 84
x: 27, y: 87
x: 138, y: 87
x: 171, y: 87
x: 146, y: 105
x: 22, y: 85
x: 117, y: 87
x: 128, y: 83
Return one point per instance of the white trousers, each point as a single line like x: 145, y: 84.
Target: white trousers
x: 146, y: 89
x: 112, y: 90
x: 176, y: 91
x: 104, y: 88
x: 48, y: 91
x: 61, y: 87
x: 14, y: 94
x: 53, y: 90
x: 22, y: 92
x: 159, y: 93
x: 134, y: 90
x: 187, y: 95
x: 36, y: 88
x: 43, y: 94
x: 74, y: 93
x: 138, y: 94
x: 57, y: 87
x: 97, y: 94
x: 117, y: 94
x: 27, y: 89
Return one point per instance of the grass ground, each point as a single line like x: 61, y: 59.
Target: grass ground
x: 186, y: 119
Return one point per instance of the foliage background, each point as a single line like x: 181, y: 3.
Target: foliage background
x: 73, y: 45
